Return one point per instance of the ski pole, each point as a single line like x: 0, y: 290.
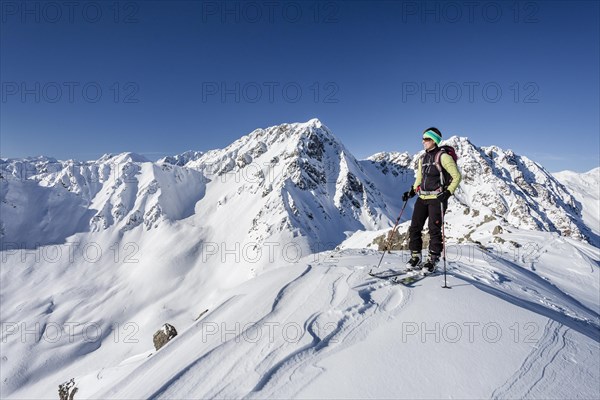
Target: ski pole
x: 444, y: 248
x: 387, y: 244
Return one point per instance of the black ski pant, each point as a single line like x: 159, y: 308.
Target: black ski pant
x: 427, y: 209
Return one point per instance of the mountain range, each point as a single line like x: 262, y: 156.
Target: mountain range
x: 296, y: 180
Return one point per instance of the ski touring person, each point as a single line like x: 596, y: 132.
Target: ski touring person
x: 436, y: 180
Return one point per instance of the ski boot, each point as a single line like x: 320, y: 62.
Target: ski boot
x: 431, y: 264
x: 414, y: 262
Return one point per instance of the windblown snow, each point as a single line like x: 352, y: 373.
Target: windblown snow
x: 259, y: 255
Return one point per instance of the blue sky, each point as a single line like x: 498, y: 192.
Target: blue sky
x: 80, y: 79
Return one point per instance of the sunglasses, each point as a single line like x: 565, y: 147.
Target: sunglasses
x: 426, y: 139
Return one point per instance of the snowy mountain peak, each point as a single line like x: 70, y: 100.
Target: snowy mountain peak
x: 457, y: 141
x: 593, y: 172
x: 296, y: 180
x: 181, y: 159
x: 122, y: 158
x: 315, y: 122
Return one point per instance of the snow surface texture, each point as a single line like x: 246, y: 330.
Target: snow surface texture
x: 273, y: 236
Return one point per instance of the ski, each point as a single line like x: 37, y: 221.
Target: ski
x: 389, y: 275
x: 394, y: 276
x: 413, y: 278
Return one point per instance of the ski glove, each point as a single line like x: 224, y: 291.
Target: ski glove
x: 445, y: 195
x: 408, y: 195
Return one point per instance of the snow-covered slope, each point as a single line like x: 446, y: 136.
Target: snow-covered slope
x: 97, y: 255
x: 322, y: 328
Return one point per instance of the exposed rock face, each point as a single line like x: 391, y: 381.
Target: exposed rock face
x: 516, y: 190
x: 163, y: 335
x: 399, y: 241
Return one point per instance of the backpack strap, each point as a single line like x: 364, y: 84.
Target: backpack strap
x: 438, y: 165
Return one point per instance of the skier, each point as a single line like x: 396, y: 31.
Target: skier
x: 434, y: 184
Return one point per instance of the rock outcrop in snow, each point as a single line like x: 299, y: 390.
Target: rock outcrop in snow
x: 67, y: 390
x: 163, y: 336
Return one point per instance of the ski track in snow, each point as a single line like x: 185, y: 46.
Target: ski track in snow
x: 533, y: 371
x: 302, y: 365
x: 350, y: 305
x: 278, y: 369
x: 532, y: 292
x: 336, y: 306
